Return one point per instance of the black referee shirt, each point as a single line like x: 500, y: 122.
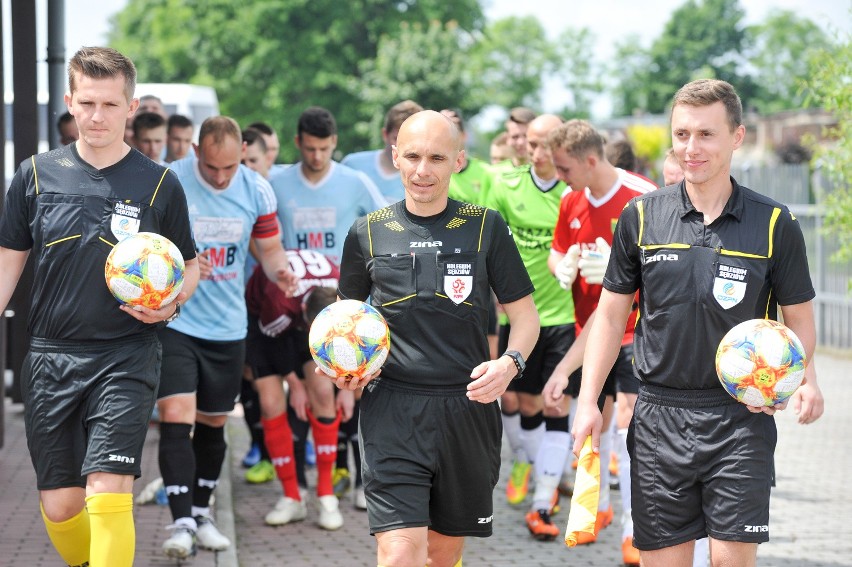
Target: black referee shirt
x: 431, y: 279
x: 71, y: 214
x: 697, y: 281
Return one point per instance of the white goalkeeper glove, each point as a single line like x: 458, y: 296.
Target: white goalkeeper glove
x: 592, y: 264
x: 566, y: 269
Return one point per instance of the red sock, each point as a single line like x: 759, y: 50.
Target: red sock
x: 325, y: 443
x: 279, y: 443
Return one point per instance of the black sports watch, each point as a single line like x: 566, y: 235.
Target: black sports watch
x: 519, y: 361
x: 175, y: 315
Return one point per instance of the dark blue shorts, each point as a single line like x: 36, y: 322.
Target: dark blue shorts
x: 700, y: 464
x: 87, y: 406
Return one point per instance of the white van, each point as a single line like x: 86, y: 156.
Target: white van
x: 196, y: 102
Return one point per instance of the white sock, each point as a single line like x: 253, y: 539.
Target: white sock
x: 531, y: 439
x: 701, y: 557
x: 196, y: 511
x: 512, y: 431
x: 549, y: 464
x: 187, y: 523
x: 624, y: 482
x: 605, y: 450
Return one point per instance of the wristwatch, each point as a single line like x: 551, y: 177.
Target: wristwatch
x: 519, y: 361
x: 174, y: 315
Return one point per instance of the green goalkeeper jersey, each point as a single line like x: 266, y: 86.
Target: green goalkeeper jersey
x: 473, y: 183
x: 531, y: 214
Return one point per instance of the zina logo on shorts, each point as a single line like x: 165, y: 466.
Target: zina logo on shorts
x: 122, y: 459
x: 755, y: 529
x: 485, y: 520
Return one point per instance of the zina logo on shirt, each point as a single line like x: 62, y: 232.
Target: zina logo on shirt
x: 458, y: 281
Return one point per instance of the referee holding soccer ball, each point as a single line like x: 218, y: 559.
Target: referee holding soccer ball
x: 701, y: 463
x: 430, y: 424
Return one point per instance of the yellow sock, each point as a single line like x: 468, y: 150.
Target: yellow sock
x: 113, y: 534
x: 70, y: 538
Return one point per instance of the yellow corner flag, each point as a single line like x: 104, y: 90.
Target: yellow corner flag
x: 584, y: 503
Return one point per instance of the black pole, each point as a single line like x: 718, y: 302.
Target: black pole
x: 55, y: 67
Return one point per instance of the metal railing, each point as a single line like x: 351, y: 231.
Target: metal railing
x: 804, y: 193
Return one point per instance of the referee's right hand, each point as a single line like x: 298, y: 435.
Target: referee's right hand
x: 588, y: 421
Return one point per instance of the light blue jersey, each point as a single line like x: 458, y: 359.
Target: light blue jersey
x: 389, y: 184
x: 223, y: 222
x: 318, y: 216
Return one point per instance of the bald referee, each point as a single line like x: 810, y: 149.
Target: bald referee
x: 430, y: 425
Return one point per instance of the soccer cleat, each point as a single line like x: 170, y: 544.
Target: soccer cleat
x: 262, y: 472
x: 330, y: 517
x: 286, y: 510
x: 519, y: 482
x: 341, y: 482
x: 252, y: 456
x: 602, y: 520
x: 181, y: 544
x: 629, y: 554
x: 360, y: 499
x: 541, y: 526
x: 208, y: 535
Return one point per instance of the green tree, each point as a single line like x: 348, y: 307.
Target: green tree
x: 509, y: 62
x: 781, y: 50
x: 630, y: 65
x: 270, y: 59
x: 831, y: 88
x: 703, y: 38
x: 577, y: 68
x: 423, y: 63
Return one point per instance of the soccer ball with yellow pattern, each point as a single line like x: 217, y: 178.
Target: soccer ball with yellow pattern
x: 760, y: 362
x: 349, y: 339
x: 145, y: 269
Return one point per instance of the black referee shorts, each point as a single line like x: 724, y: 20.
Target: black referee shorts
x: 700, y: 464
x: 87, y: 405
x: 430, y: 457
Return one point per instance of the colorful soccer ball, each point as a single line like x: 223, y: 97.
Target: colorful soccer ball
x: 145, y: 269
x: 349, y: 339
x: 760, y: 362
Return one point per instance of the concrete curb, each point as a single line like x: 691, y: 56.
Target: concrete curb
x: 225, y: 511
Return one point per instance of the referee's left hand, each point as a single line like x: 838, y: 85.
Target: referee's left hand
x: 490, y: 380
x: 151, y: 316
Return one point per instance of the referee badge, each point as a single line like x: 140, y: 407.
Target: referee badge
x: 458, y: 281
x: 729, y: 287
x: 125, y: 219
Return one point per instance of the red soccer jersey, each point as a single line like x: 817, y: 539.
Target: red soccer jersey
x: 277, y: 312
x: 582, y: 219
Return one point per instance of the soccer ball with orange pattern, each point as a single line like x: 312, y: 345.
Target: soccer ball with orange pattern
x: 349, y: 339
x: 760, y: 362
x: 145, y: 269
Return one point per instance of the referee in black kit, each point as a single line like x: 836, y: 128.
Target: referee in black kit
x: 430, y: 425
x: 705, y: 255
